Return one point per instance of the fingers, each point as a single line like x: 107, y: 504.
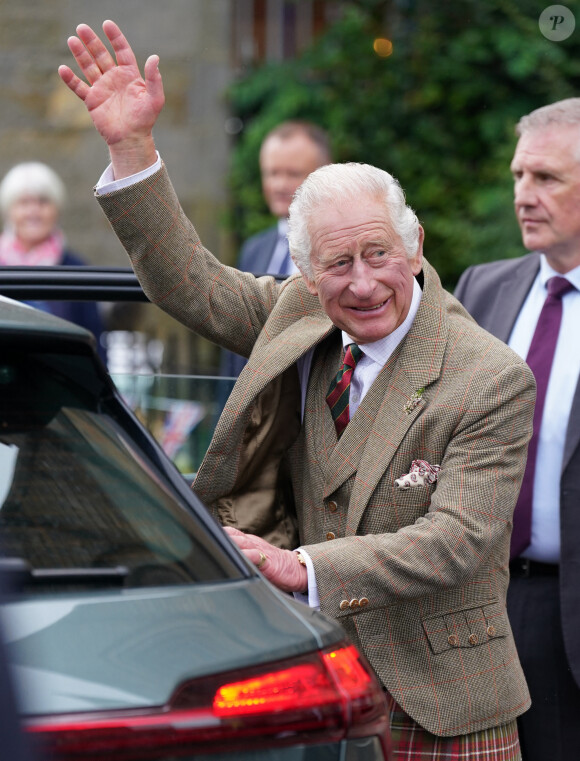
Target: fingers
x: 90, y: 53
x: 80, y: 88
x: 232, y: 532
x: 257, y: 550
x: 153, y: 81
x: 260, y: 558
x: 123, y: 51
x: 263, y: 559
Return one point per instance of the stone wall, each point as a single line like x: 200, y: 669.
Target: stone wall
x: 42, y: 120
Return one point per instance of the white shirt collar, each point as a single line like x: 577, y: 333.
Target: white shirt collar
x: 546, y: 272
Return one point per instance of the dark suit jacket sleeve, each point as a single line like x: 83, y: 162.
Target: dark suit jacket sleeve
x: 257, y: 251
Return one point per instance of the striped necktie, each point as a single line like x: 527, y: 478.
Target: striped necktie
x: 339, y: 391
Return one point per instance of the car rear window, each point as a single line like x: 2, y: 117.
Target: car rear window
x: 81, y: 506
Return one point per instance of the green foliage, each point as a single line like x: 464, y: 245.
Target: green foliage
x: 439, y: 113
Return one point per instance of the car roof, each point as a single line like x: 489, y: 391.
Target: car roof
x: 23, y: 321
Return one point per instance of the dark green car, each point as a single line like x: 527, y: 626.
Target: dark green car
x: 134, y: 628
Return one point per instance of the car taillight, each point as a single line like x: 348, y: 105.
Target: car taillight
x: 319, y: 698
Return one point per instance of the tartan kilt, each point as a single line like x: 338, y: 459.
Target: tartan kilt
x: 410, y: 742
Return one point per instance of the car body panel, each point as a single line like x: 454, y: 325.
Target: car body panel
x: 131, y: 649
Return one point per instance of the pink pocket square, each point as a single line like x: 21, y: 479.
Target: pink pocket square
x: 421, y: 474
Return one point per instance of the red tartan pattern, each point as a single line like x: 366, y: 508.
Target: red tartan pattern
x: 410, y: 742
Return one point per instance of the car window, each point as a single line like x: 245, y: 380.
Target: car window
x: 76, y: 491
x: 181, y: 412
x: 173, y: 379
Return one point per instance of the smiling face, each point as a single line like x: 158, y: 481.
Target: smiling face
x: 361, y: 272
x: 33, y: 219
x: 546, y: 171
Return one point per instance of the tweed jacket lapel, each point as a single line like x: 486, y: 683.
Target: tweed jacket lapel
x: 337, y: 458
x: 282, y: 342
x: 371, y: 439
x: 346, y: 454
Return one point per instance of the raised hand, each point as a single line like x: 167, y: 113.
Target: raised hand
x: 281, y: 567
x: 123, y: 105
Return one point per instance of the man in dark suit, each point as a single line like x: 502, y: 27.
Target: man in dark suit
x: 507, y: 298
x: 288, y: 154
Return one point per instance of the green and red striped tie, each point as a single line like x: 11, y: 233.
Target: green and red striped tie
x: 339, y: 392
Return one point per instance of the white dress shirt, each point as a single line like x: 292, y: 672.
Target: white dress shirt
x: 545, y: 545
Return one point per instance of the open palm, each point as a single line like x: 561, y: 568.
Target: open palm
x: 123, y: 105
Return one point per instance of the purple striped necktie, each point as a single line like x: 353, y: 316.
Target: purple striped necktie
x: 540, y: 357
x: 338, y: 395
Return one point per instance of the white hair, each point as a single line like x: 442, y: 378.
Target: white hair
x: 561, y: 112
x: 336, y: 182
x: 31, y: 178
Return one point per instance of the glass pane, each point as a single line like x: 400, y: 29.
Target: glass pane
x: 140, y: 338
x: 180, y: 411
x: 77, y: 493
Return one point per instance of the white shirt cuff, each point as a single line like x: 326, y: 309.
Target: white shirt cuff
x: 310, y: 598
x: 108, y: 184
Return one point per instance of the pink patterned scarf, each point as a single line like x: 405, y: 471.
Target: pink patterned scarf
x: 48, y: 253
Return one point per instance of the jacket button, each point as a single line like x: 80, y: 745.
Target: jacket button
x: 472, y: 639
x: 332, y: 506
x: 363, y: 602
x: 354, y: 603
x: 330, y: 535
x: 344, y: 604
x: 453, y: 640
x: 491, y: 631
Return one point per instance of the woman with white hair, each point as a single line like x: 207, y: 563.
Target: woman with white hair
x: 31, y: 199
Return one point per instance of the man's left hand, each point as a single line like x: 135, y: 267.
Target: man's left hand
x: 281, y: 567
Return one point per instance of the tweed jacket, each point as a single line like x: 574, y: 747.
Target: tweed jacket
x: 417, y: 577
x: 494, y: 294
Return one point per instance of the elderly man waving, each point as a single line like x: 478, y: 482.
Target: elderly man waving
x: 361, y: 369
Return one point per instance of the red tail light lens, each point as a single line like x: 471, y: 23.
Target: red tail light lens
x: 323, y: 697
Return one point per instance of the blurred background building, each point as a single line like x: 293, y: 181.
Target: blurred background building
x: 203, y: 46
x: 430, y: 92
